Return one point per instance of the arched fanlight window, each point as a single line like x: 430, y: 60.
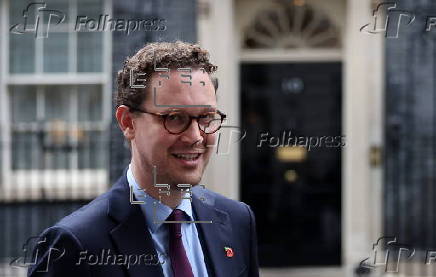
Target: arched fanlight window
x: 290, y: 25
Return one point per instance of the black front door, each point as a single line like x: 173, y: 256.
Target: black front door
x: 291, y: 160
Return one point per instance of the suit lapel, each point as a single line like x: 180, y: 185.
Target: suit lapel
x: 214, y: 236
x: 131, y: 235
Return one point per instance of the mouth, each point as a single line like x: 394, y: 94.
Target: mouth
x: 188, y: 160
x: 187, y: 156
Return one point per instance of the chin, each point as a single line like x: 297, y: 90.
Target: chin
x: 192, y: 180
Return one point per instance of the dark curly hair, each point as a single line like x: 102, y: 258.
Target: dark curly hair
x: 170, y: 55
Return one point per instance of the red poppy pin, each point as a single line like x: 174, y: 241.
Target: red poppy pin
x: 229, y: 251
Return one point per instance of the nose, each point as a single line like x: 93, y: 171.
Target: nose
x: 192, y: 134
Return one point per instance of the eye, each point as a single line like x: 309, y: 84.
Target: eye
x: 173, y: 117
x: 209, y: 116
x: 206, y: 118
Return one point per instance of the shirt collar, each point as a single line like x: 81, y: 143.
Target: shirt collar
x: 155, y: 212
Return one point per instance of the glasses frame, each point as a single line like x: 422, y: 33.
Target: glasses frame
x: 165, y: 115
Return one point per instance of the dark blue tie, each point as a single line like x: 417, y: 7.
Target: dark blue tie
x: 179, y: 260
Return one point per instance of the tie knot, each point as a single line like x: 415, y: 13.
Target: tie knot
x: 177, y: 215
x: 175, y: 228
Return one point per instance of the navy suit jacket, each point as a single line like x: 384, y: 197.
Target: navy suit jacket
x: 76, y: 245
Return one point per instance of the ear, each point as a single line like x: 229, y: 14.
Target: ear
x: 125, y: 121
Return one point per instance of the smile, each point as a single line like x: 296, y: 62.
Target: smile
x: 187, y: 157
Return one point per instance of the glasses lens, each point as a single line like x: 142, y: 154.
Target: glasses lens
x: 210, y: 123
x: 176, y: 122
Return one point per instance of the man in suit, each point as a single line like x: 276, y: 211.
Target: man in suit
x: 156, y: 220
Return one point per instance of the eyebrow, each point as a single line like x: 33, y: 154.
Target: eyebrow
x: 204, y: 110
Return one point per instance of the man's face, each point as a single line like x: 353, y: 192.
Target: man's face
x: 179, y: 158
